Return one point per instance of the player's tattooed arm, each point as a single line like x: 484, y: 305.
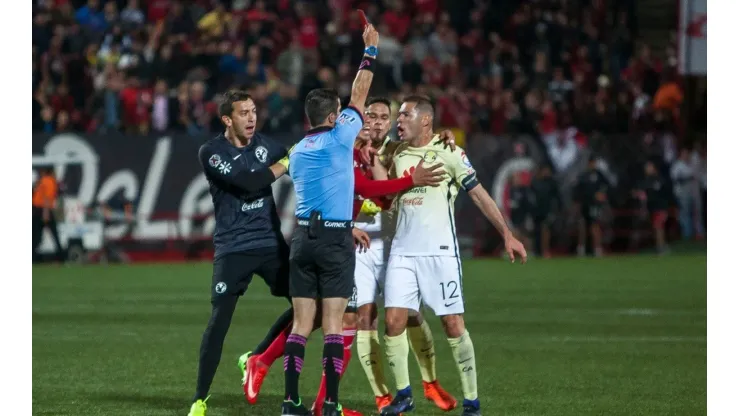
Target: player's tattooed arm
x: 490, y: 210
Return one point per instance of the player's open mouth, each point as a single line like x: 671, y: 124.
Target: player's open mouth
x: 401, y: 130
x: 250, y: 129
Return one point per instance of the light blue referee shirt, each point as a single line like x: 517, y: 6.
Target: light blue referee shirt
x: 323, y: 171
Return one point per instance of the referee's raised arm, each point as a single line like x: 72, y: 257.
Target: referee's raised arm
x: 364, y: 77
x: 348, y: 125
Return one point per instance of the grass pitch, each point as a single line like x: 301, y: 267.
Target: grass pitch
x: 614, y: 336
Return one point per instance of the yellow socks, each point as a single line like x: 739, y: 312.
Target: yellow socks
x: 368, y: 351
x: 422, y: 343
x: 397, y: 354
x: 462, y: 352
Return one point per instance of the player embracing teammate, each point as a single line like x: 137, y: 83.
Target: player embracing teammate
x: 370, y: 266
x: 424, y: 263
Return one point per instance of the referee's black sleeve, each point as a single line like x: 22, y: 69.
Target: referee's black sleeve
x: 221, y: 168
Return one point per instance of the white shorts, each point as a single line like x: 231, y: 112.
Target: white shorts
x: 434, y: 280
x: 369, y: 275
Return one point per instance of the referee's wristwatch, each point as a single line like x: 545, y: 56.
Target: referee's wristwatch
x: 371, y: 51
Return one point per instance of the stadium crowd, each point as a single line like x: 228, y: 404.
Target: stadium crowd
x: 562, y: 71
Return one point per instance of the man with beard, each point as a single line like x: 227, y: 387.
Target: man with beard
x: 371, y: 266
x: 424, y: 262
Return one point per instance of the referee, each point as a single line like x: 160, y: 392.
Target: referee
x: 322, y: 259
x: 240, y: 166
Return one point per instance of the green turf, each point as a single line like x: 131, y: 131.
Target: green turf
x: 617, y: 336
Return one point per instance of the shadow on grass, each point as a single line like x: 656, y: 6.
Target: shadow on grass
x: 231, y: 404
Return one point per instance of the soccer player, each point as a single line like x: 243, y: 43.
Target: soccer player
x: 371, y: 267
x: 322, y: 251
x: 240, y: 166
x: 424, y: 264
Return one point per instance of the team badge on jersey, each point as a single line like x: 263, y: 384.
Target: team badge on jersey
x: 430, y: 156
x: 343, y: 118
x: 214, y: 160
x: 261, y: 154
x: 224, y: 168
x: 466, y: 161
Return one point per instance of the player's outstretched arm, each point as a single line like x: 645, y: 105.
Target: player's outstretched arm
x: 488, y: 207
x: 219, y: 167
x: 422, y: 176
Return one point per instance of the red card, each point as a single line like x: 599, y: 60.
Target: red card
x: 363, y: 18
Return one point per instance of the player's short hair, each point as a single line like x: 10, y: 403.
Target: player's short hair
x: 319, y: 104
x: 423, y: 104
x: 378, y: 100
x: 226, y: 103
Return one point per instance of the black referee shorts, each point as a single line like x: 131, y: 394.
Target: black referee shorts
x: 232, y: 272
x: 322, y: 261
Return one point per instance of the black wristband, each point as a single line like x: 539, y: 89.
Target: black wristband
x: 368, y: 64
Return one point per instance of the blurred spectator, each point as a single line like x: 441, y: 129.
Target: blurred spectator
x: 131, y: 15
x: 196, y: 118
x: 560, y: 88
x: 443, y: 40
x: 562, y: 148
x: 61, y: 100
x: 411, y: 70
x: 686, y: 188
x: 63, y: 123
x: 522, y: 207
x: 47, y: 120
x: 591, y: 196
x: 163, y: 107
x: 699, y: 163
x: 91, y: 16
x: 547, y: 206
x: 290, y: 63
x: 654, y: 193
x: 669, y: 96
x: 396, y: 20
x: 391, y: 57
x: 212, y: 23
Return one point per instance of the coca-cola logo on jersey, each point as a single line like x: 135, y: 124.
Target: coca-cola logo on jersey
x: 161, y: 175
x: 413, y: 202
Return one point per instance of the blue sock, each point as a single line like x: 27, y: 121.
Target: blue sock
x: 471, y: 403
x: 405, y: 392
